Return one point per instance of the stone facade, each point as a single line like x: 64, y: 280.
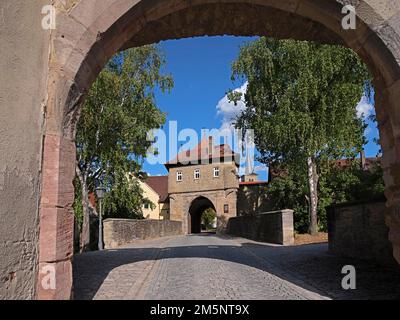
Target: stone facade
x: 208, y: 182
x: 220, y: 190
x: 358, y: 230
x: 180, y: 204
x: 272, y: 227
x: 23, y: 76
x: 119, y: 232
x: 223, y: 193
x: 45, y: 75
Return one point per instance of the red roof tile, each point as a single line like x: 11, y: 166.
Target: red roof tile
x: 202, y: 152
x: 160, y: 185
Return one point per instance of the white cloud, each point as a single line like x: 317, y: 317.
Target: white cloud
x: 261, y: 168
x: 364, y: 108
x: 228, y: 110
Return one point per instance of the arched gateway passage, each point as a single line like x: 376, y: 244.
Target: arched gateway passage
x: 197, y: 208
x: 89, y: 32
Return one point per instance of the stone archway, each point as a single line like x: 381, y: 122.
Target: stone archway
x: 89, y: 32
x: 196, y: 210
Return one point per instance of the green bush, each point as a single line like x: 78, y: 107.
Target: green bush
x: 336, y: 185
x: 208, y: 218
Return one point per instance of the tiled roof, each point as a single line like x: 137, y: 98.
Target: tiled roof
x: 202, y: 152
x: 160, y: 185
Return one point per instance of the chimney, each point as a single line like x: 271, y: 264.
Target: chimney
x: 210, y: 145
x: 203, y: 133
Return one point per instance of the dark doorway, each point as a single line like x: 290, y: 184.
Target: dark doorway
x: 198, y: 206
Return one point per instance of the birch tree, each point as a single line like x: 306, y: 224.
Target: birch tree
x: 112, y: 131
x: 301, y: 101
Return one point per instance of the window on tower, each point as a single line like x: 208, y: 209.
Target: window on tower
x: 196, y: 174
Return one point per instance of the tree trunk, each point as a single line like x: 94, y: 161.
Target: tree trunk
x: 313, y: 189
x: 85, y: 231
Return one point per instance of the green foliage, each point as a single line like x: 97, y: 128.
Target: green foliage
x: 208, y: 218
x: 337, y: 185
x: 351, y: 184
x: 301, y: 103
x: 119, y: 111
x: 301, y: 99
x: 125, y: 199
x: 77, y: 205
x: 290, y: 191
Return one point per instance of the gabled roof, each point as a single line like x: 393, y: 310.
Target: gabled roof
x: 205, y: 151
x: 160, y: 185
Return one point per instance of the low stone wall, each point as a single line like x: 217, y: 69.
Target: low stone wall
x: 118, y: 232
x: 272, y: 227
x: 358, y: 230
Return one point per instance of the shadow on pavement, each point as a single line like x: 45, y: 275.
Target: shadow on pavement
x: 308, y: 266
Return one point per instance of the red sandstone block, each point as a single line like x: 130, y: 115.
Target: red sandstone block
x: 56, y: 234
x: 58, y: 172
x: 65, y: 234
x: 54, y: 281
x: 50, y: 170
x: 48, y: 234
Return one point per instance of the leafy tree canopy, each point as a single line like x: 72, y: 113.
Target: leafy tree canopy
x: 301, y: 98
x: 111, y: 139
x: 337, y: 185
x: 301, y: 103
x: 208, y: 218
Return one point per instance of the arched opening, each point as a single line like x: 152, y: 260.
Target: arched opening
x: 196, y: 210
x: 90, y: 32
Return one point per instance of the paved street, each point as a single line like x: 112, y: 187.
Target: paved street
x: 212, y: 267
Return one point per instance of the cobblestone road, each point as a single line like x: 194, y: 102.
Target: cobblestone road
x: 214, y: 267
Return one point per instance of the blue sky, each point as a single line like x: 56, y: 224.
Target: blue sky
x: 201, y: 68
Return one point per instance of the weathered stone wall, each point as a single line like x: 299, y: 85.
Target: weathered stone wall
x: 220, y: 191
x: 118, y: 232
x: 180, y: 204
x: 226, y: 180
x: 24, y: 52
x: 359, y: 231
x: 272, y: 227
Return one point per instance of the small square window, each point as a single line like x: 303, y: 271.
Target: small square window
x: 179, y: 176
x: 196, y: 174
x: 146, y: 206
x: 226, y: 208
x: 216, y: 172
